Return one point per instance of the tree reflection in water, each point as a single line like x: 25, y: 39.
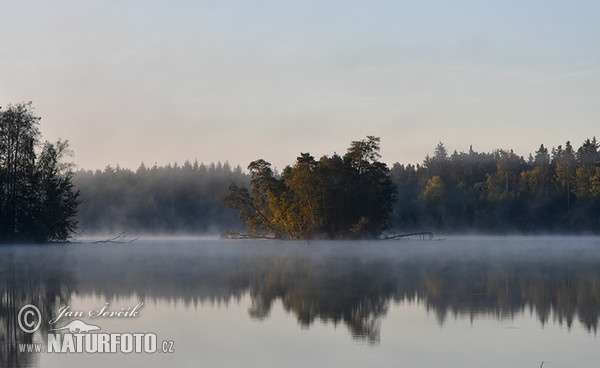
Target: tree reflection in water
x: 356, y: 289
x: 27, y: 279
x: 348, y: 283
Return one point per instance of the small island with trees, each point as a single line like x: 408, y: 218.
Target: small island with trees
x: 337, y: 197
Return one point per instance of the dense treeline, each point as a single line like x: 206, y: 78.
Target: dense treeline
x: 556, y: 190
x: 38, y: 201
x: 348, y: 196
x: 174, y: 198
x: 550, y: 191
x: 334, y: 197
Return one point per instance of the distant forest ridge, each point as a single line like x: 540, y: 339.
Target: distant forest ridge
x: 556, y: 190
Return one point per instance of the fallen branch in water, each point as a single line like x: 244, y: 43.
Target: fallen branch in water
x: 119, y: 239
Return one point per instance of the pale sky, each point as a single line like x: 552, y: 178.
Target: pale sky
x: 215, y: 80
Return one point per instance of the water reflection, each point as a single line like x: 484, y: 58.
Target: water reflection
x: 352, y: 284
x: 26, y: 278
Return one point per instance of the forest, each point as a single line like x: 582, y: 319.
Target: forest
x: 42, y: 198
x: 171, y: 199
x: 553, y: 190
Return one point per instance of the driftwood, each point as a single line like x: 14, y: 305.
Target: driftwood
x: 119, y: 239
x: 423, y: 235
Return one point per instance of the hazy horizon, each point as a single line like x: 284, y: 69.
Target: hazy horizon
x: 292, y: 159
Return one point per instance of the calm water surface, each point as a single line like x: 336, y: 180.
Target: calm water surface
x: 459, y: 302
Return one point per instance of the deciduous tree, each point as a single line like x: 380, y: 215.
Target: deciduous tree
x: 38, y: 200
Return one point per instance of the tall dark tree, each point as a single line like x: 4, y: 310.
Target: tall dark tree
x: 371, y: 189
x: 565, y: 166
x: 19, y: 135
x: 37, y: 198
x: 56, y: 194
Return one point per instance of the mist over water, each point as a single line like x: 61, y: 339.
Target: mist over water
x: 346, y: 294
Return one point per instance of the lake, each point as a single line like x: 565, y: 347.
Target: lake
x: 198, y: 302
